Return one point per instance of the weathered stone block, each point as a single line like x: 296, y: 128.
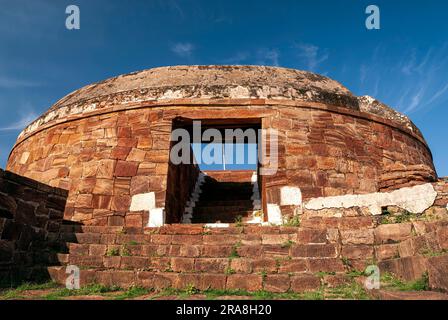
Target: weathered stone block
x: 276, y: 283
x: 361, y: 236
x: 303, y: 283
x: 183, y: 264
x: 438, y: 273
x: 241, y: 265
x: 249, y: 282
x: 387, y: 251
x: 314, y: 250
x: 292, y: 265
x: 126, y: 169
x: 357, y: 251
x: 211, y: 265
x: 392, y: 233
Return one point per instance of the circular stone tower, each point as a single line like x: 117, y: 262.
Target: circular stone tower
x: 109, y: 143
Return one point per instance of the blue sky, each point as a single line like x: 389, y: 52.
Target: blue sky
x: 405, y: 64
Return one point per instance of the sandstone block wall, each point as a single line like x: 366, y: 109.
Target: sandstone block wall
x: 104, y: 159
x: 30, y: 214
x: 181, y: 181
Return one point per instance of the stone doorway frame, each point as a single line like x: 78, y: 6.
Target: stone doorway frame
x: 221, y: 123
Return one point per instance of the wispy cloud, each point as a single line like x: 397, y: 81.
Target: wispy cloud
x: 268, y: 57
x: 424, y: 73
x: 311, y: 55
x: 13, y: 83
x: 439, y: 93
x: 237, y: 58
x: 183, y: 49
x: 411, y: 81
x: 20, y: 124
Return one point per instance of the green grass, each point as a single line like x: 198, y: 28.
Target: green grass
x: 229, y: 271
x: 114, y: 252
x: 406, y: 216
x: 292, y: 222
x: 16, y: 293
x: 132, y: 292
x: 212, y: 294
x: 321, y: 274
x: 432, y: 253
x: 239, y: 221
x: 90, y: 290
x: 352, y: 291
x: 287, y: 244
x: 389, y: 281
x: 234, y: 253
x: 125, y: 251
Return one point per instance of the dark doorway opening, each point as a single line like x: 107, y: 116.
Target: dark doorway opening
x: 221, y: 183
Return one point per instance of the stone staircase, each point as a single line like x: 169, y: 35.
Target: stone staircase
x: 223, y: 202
x: 322, y: 252
x: 252, y: 258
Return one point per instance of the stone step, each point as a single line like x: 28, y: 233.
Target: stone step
x: 212, y: 250
x: 197, y: 235
x: 217, y: 203
x: 202, y: 281
x: 408, y: 295
x: 191, y: 229
x: 243, y: 265
x: 72, y: 228
x: 212, y: 211
x: 223, y: 217
x: 225, y: 197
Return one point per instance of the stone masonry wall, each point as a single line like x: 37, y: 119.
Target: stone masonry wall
x: 181, y: 181
x: 30, y: 213
x: 107, y: 158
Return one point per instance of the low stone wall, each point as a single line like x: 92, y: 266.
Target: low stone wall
x: 180, y: 185
x: 441, y: 186
x: 230, y: 175
x: 30, y: 214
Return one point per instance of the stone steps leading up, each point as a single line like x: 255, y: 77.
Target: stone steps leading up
x: 247, y: 258
x: 259, y: 265
x: 213, y: 203
x: 206, y: 237
x: 202, y: 281
x: 216, y: 210
x: 223, y: 217
x: 223, y: 202
x: 282, y: 254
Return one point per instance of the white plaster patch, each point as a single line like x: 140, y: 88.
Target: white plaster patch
x: 239, y: 92
x: 290, y: 196
x: 143, y: 202
x: 191, y: 203
x: 257, y: 215
x: 156, y: 217
x: 170, y: 94
x: 274, y: 214
x: 413, y: 199
x: 217, y: 225
x: 24, y: 158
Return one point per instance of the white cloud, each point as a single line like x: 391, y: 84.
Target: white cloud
x: 439, y: 93
x: 21, y: 123
x: 311, y: 55
x: 238, y: 58
x: 12, y: 83
x: 268, y: 57
x: 183, y: 49
x: 415, y: 100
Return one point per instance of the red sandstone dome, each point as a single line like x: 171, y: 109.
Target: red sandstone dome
x: 108, y: 143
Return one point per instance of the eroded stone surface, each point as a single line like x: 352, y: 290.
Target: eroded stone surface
x: 214, y: 82
x: 413, y: 199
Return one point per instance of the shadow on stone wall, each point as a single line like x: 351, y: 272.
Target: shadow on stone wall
x: 31, y: 214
